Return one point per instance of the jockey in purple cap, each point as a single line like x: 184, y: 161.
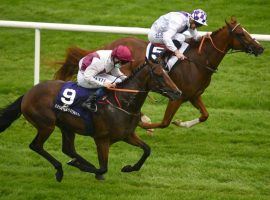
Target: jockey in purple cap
x: 102, y: 69
x: 169, y: 30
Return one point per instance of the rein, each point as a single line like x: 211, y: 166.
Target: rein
x: 212, y: 42
x: 125, y: 90
x: 119, y: 107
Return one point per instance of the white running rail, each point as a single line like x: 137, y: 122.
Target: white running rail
x: 88, y: 28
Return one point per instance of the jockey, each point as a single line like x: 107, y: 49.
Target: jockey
x: 168, y: 30
x: 102, y: 69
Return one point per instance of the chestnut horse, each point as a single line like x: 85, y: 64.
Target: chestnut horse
x: 111, y: 122
x: 192, y: 76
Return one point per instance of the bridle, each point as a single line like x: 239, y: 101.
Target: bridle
x: 119, y: 106
x: 152, y: 75
x: 248, y: 48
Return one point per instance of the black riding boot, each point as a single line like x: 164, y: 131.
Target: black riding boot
x: 91, y: 103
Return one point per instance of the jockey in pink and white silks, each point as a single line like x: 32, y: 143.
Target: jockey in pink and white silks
x: 169, y: 28
x: 102, y: 69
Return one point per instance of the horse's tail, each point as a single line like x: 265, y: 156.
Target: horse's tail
x: 71, y: 64
x: 9, y: 114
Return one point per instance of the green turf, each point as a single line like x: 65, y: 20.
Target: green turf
x: 227, y: 157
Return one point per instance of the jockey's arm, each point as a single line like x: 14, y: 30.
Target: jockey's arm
x: 93, y: 70
x: 117, y: 73
x: 195, y: 34
x: 167, y: 39
x: 173, y: 27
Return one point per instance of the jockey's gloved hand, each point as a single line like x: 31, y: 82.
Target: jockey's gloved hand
x: 179, y: 55
x: 110, y: 85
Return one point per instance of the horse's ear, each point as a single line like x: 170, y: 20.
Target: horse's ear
x: 233, y: 20
x: 227, y: 23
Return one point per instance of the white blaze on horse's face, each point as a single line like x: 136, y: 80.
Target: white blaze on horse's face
x: 247, y: 33
x: 243, y: 41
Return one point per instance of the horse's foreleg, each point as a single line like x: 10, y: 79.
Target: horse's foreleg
x: 68, y: 148
x: 198, y: 103
x: 103, y: 145
x: 146, y: 119
x: 37, y: 146
x: 136, y: 141
x: 171, y: 109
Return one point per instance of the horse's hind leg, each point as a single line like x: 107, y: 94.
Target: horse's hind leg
x: 37, y: 146
x: 133, y: 139
x: 68, y: 148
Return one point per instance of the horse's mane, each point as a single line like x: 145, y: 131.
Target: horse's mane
x: 194, y: 44
x: 215, y: 32
x: 134, y: 72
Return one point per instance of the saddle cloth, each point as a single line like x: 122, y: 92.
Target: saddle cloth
x: 70, y: 98
x: 153, y: 52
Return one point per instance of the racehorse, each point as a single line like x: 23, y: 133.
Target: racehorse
x: 192, y: 76
x: 115, y: 120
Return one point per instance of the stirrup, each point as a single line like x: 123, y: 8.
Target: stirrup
x: 90, y: 106
x: 93, y: 107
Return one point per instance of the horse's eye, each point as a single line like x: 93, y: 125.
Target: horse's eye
x: 240, y: 34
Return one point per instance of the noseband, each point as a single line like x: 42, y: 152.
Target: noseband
x: 247, y: 47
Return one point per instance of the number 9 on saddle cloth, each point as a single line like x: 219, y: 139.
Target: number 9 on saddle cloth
x: 70, y: 99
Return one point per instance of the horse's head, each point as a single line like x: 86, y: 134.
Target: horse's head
x: 242, y: 40
x: 160, y: 82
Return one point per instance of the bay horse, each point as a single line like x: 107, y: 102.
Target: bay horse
x: 114, y: 121
x: 192, y: 76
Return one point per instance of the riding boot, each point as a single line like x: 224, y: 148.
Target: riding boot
x: 91, y: 103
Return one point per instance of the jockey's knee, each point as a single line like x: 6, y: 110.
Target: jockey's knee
x: 180, y: 37
x: 177, y: 44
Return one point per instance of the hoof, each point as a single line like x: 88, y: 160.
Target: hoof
x: 127, y: 168
x: 84, y: 168
x: 99, y: 177
x: 59, y: 175
x: 72, y: 162
x: 150, y: 132
x: 177, y: 123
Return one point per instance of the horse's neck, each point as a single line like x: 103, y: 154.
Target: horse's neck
x: 220, y: 42
x: 132, y: 102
